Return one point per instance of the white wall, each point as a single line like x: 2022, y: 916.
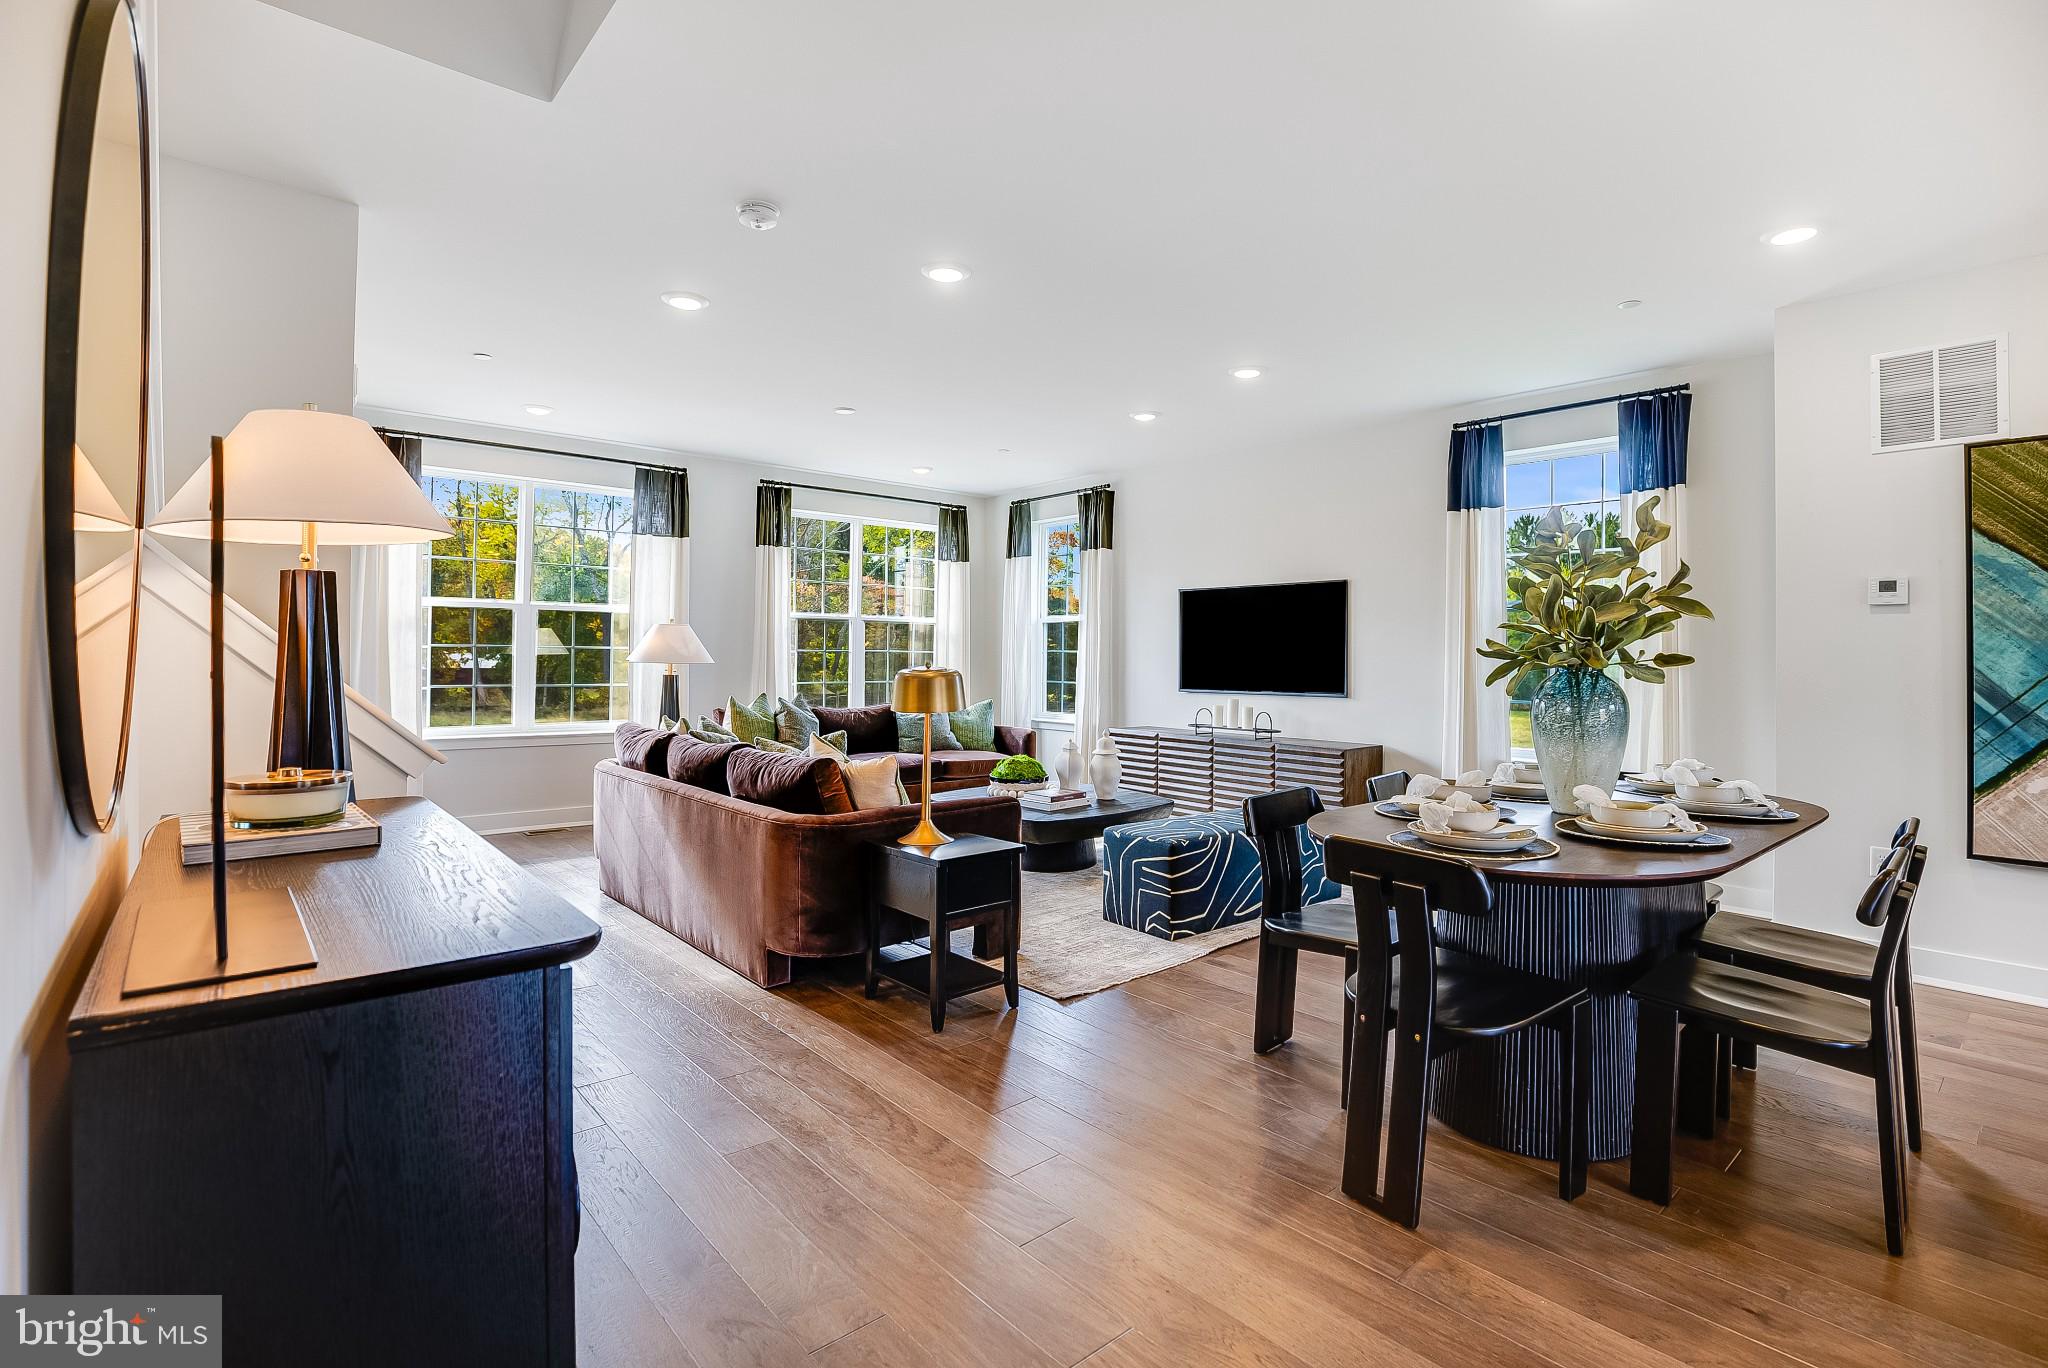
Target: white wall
x: 515, y: 784
x: 259, y: 311
x: 1367, y: 505
x: 62, y: 887
x: 1873, y: 703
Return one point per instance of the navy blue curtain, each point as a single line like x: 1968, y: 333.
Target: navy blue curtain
x: 661, y: 502
x: 1018, y: 544
x: 952, y: 533
x: 1653, y: 432
x: 1478, y: 468
x: 1098, y: 519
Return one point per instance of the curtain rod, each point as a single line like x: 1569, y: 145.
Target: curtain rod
x: 1063, y: 494
x: 864, y: 494
x: 1575, y: 404
x: 538, y: 451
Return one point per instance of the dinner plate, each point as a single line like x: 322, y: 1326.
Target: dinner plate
x: 1526, y: 792
x: 1642, y: 783
x: 1400, y: 807
x: 1646, y: 835
x: 1485, y: 842
x: 1705, y: 840
x: 1740, y: 812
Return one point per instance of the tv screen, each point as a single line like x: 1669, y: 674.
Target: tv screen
x: 1264, y: 639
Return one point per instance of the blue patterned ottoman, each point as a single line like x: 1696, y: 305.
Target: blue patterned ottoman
x: 1180, y: 876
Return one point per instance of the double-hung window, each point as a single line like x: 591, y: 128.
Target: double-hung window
x: 862, y: 605
x: 523, y: 620
x: 1059, y: 605
x: 1583, y: 479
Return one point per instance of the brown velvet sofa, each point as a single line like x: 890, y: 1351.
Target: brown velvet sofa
x: 872, y: 731
x: 753, y: 887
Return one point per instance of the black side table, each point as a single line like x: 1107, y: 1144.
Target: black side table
x: 972, y: 881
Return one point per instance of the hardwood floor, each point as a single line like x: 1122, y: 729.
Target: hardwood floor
x: 807, y: 1177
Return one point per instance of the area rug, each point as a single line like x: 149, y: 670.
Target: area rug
x: 1068, y: 950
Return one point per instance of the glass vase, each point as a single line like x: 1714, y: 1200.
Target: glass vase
x: 1578, y: 721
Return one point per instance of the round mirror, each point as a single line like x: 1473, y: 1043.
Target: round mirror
x: 96, y: 405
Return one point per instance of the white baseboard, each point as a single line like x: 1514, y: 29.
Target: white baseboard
x: 1990, y: 978
x: 534, y: 819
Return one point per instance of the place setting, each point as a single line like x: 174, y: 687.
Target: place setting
x: 1618, y: 820
x: 1425, y: 788
x: 1699, y: 790
x: 1462, y: 825
x: 1519, y: 781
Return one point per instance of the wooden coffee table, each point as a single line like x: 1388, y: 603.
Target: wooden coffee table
x: 1066, y: 839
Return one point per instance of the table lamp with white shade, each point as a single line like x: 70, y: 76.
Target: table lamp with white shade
x: 93, y: 506
x: 671, y: 644
x: 302, y: 476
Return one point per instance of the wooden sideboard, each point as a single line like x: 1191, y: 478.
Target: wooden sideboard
x: 369, y: 1160
x: 1215, y: 772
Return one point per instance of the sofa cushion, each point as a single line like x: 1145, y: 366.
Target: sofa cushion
x: 974, y: 727
x: 701, y: 764
x: 642, y: 747
x: 965, y: 764
x: 910, y: 733
x: 803, y: 784
x: 867, y: 729
x: 750, y: 721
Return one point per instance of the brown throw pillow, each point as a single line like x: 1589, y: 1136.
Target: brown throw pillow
x: 803, y: 784
x: 868, y: 730
x: 701, y: 764
x: 641, y: 747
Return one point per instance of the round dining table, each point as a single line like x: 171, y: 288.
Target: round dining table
x: 1592, y: 914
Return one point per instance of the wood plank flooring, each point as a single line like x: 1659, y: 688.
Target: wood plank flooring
x: 806, y: 1177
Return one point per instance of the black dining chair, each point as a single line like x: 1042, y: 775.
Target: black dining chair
x: 1855, y: 1032
x: 1843, y: 964
x: 1286, y: 926
x: 1381, y: 787
x: 1434, y: 1001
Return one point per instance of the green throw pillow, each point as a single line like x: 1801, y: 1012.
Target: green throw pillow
x: 774, y: 747
x: 975, y: 727
x: 707, y: 730
x: 910, y: 733
x: 795, y: 723
x: 750, y: 721
x: 836, y: 740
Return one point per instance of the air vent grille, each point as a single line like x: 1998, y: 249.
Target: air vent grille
x: 1932, y: 396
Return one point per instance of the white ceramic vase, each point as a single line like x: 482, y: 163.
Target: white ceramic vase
x: 1105, y: 768
x: 1070, y: 765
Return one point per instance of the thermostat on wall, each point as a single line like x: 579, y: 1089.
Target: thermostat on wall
x: 1889, y: 589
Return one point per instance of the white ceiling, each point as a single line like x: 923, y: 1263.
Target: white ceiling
x: 1387, y: 204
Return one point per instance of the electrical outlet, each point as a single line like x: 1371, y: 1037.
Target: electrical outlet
x: 1878, y: 855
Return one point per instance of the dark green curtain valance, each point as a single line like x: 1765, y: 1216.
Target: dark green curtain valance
x: 1654, y: 430
x: 774, y: 515
x: 1098, y: 519
x: 1018, y: 544
x: 661, y: 502
x: 1479, y: 477
x: 952, y: 534
x: 410, y: 451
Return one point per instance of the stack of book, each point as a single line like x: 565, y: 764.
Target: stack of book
x: 1055, y: 800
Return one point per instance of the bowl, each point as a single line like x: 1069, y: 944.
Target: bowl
x: 1714, y: 793
x: 1528, y: 774
x: 1486, y: 819
x: 1481, y: 792
x: 1620, y: 812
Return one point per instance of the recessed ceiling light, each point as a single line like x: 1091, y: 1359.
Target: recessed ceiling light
x: 946, y: 273
x: 1630, y: 304
x: 479, y: 356
x: 539, y: 410
x: 682, y: 299
x: 1791, y: 237
x: 920, y: 470
x: 1246, y: 373
x: 1145, y: 417
x: 842, y: 410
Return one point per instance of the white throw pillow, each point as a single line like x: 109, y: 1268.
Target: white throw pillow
x: 875, y: 781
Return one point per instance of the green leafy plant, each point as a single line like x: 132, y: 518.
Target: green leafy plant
x: 1581, y: 599
x: 1018, y: 769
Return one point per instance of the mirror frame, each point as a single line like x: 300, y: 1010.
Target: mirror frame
x: 78, y: 114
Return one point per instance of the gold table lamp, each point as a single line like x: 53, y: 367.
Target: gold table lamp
x: 927, y: 692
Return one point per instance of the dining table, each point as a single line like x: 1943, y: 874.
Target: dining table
x: 1594, y: 915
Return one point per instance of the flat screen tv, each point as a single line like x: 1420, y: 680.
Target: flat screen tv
x: 1265, y: 639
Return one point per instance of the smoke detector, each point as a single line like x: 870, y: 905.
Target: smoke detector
x: 759, y: 214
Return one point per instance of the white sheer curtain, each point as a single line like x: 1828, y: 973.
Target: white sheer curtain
x: 661, y: 577
x: 384, y: 628
x: 773, y: 519
x: 1096, y: 678
x: 1475, y: 593
x: 1016, y: 702
x: 950, y: 645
